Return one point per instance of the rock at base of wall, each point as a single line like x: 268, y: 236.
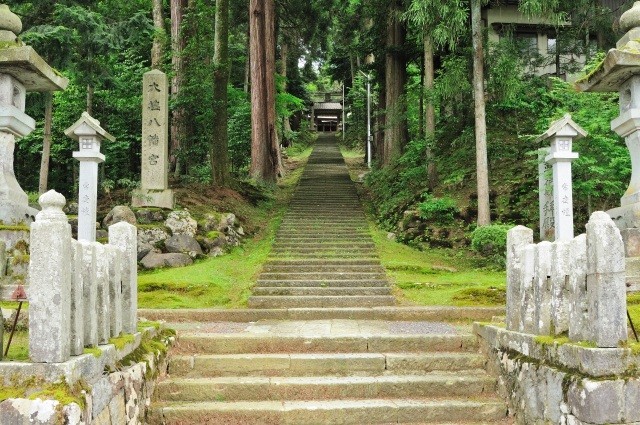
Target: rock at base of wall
x: 154, y: 260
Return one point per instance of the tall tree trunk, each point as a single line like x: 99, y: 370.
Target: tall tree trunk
x: 396, y: 132
x: 284, y: 57
x: 158, y: 38
x: 482, y: 167
x: 46, y: 143
x: 430, y: 110
x: 90, y: 99
x: 219, y: 144
x: 178, y: 42
x: 264, y: 144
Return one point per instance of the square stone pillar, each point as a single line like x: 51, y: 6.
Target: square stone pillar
x: 562, y: 134
x: 154, y: 190
x: 89, y: 134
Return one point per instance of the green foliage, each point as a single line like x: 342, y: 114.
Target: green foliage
x: 491, y: 242
x: 440, y: 210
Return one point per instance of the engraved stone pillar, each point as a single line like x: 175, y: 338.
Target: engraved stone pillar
x: 50, y: 270
x: 21, y: 71
x: 154, y: 191
x: 545, y: 197
x: 89, y: 134
x: 562, y: 134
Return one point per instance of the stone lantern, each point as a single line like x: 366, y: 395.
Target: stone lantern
x: 21, y: 71
x: 562, y: 134
x: 620, y: 72
x: 89, y: 135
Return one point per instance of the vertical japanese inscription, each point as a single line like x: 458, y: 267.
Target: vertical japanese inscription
x: 155, y: 118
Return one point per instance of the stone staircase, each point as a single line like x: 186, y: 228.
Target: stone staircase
x: 346, y: 354
x: 323, y: 255
x: 327, y: 372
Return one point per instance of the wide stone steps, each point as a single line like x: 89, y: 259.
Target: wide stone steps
x: 346, y: 412
x: 319, y: 364
x: 283, y: 267
x: 300, y: 301
x: 326, y: 387
x: 321, y: 291
x: 320, y: 283
x: 319, y: 275
x: 257, y: 343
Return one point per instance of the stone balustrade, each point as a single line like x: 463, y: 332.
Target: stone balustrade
x: 574, y: 287
x: 81, y: 293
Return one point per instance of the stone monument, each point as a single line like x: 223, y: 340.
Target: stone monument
x: 89, y: 134
x: 545, y: 197
x: 562, y: 134
x: 154, y: 191
x: 620, y: 72
x: 21, y: 71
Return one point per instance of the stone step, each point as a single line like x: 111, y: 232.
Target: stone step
x: 317, y: 364
x: 324, y: 276
x: 206, y: 343
x: 320, y: 291
x: 323, y: 252
x: 284, y: 301
x: 346, y: 283
x: 253, y: 388
x: 334, y: 262
x: 350, y: 245
x: 346, y: 412
x: 325, y: 238
x: 406, y: 313
x: 322, y: 255
x: 311, y: 267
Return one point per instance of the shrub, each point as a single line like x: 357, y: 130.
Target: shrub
x: 491, y: 242
x: 439, y: 210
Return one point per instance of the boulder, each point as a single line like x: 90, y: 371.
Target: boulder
x: 149, y: 215
x: 117, y: 214
x: 181, y: 223
x: 71, y: 208
x: 227, y: 221
x: 102, y: 234
x: 183, y: 244
x: 216, y: 252
x: 151, y: 236
x: 154, y: 260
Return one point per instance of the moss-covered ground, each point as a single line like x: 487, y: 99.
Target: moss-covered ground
x: 224, y: 282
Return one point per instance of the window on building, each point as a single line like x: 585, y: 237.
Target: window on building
x: 551, y: 45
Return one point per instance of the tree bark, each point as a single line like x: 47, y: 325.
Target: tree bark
x: 178, y: 42
x: 430, y: 110
x: 46, y: 143
x: 218, y: 153
x: 284, y: 57
x: 157, y: 49
x: 396, y: 132
x: 90, y: 99
x: 264, y: 144
x: 482, y: 167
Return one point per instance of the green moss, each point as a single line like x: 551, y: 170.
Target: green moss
x: 22, y: 246
x: 145, y: 324
x: 33, y: 388
x: 214, y: 234
x: 122, y: 341
x: 20, y: 259
x: 16, y: 227
x: 94, y: 351
x: 102, y: 240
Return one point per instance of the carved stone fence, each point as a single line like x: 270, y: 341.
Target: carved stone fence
x: 574, y: 287
x: 81, y: 294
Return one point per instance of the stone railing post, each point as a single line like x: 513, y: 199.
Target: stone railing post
x: 124, y: 236
x: 50, y: 271
x: 606, y: 289
x: 89, y: 293
x: 77, y: 301
x: 579, y: 326
x: 102, y: 288
x: 114, y: 256
x: 560, y: 271
x: 517, y: 238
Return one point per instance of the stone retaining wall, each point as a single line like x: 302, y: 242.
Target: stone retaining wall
x: 554, y: 381
x: 116, y: 398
